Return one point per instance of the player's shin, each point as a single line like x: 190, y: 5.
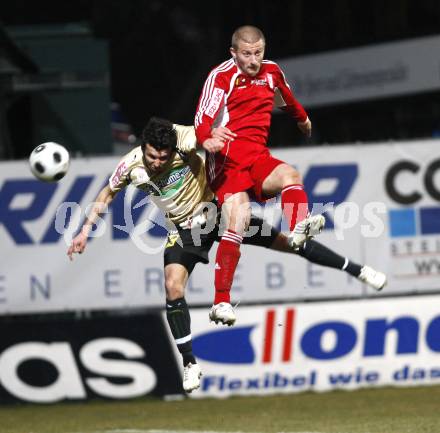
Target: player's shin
x: 228, y: 255
x: 179, y: 321
x: 294, y: 203
x: 317, y: 253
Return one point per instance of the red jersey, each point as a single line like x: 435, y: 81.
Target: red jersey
x: 242, y: 103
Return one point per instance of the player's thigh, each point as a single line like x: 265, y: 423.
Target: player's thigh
x: 176, y: 277
x: 182, y: 252
x: 230, y: 182
x: 281, y: 176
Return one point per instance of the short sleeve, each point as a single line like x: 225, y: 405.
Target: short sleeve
x: 120, y: 177
x: 186, y: 138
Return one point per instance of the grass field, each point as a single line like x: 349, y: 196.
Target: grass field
x: 385, y: 410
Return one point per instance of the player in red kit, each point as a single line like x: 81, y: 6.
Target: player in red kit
x: 237, y: 99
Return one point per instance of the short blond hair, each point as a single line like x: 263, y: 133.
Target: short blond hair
x: 248, y: 34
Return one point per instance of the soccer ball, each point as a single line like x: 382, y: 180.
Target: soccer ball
x: 49, y: 161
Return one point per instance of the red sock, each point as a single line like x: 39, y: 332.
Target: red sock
x: 294, y: 203
x: 228, y: 254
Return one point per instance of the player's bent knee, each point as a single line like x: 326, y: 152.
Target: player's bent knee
x: 292, y: 177
x: 175, y: 289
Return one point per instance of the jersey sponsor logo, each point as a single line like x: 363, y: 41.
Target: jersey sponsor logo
x: 259, y: 82
x: 216, y: 100
x: 169, y: 185
x: 118, y: 174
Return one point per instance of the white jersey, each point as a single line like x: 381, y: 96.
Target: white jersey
x: 181, y: 185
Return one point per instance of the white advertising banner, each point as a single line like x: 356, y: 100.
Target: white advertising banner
x: 374, y: 71
x: 319, y: 347
x: 382, y: 209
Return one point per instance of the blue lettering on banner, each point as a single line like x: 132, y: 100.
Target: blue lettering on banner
x: 13, y: 219
x: 75, y: 195
x: 415, y: 373
x: 37, y: 286
x: 110, y: 282
x: 206, y: 346
x: 219, y: 345
x: 118, y: 216
x: 433, y: 335
x: 153, y: 277
x: 275, y: 381
x: 311, y: 342
x: 377, y: 329
x: 313, y: 274
x: 275, y: 275
x: 358, y: 376
x: 344, y: 174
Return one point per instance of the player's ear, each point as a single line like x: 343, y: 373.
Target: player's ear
x: 233, y: 52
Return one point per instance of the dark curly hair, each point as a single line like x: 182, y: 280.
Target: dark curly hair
x: 160, y: 134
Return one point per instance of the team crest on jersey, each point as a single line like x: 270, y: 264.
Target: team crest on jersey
x: 240, y: 82
x: 172, y: 239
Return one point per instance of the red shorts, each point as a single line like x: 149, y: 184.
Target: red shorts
x: 226, y: 177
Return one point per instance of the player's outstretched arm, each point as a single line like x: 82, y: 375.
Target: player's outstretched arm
x: 286, y: 101
x: 79, y: 242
